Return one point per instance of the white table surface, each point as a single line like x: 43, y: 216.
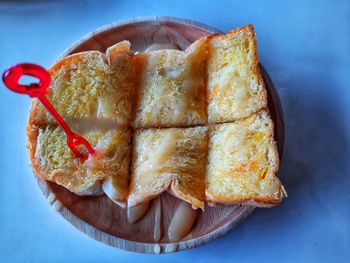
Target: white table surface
x: 305, y: 47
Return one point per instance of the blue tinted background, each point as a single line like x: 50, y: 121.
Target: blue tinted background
x: 305, y: 47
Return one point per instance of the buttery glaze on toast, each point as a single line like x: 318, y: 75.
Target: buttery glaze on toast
x: 92, y: 92
x: 171, y: 87
x: 242, y: 163
x: 235, y: 86
x: 195, y: 120
x: 172, y: 159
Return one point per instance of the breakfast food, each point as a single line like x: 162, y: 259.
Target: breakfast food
x: 171, y: 87
x: 235, y: 86
x: 194, y: 123
x: 171, y: 159
x: 90, y: 86
x: 242, y: 163
x: 54, y: 161
x: 92, y: 92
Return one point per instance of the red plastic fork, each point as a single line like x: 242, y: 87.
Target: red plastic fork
x: 38, y: 90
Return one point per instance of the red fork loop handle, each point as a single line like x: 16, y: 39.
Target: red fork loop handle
x: 12, y: 76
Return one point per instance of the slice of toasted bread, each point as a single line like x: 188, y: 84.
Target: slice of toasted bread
x: 215, y: 82
x: 89, y: 84
x: 53, y: 160
x: 171, y: 159
x: 243, y: 162
x: 235, y: 86
x: 92, y: 92
x: 171, y: 87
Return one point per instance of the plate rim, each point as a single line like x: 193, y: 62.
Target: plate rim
x: 135, y: 20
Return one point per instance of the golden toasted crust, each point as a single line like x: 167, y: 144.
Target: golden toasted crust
x: 50, y: 157
x: 256, y: 68
x: 76, y: 57
x: 113, y: 52
x: 52, y: 160
x: 241, y: 30
x: 215, y: 81
x: 89, y: 84
x: 171, y: 159
x: 37, y: 113
x: 242, y: 163
x: 171, y: 87
x: 235, y: 85
x: 32, y: 135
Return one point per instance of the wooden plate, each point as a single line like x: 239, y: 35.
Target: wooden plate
x: 99, y: 217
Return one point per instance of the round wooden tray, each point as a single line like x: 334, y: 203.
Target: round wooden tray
x: 99, y: 217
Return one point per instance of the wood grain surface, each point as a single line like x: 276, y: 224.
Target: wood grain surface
x: 99, y: 217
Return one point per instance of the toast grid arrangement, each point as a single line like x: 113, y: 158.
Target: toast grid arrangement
x: 194, y: 123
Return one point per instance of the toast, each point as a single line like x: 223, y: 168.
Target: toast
x: 193, y: 123
x: 243, y: 162
x: 171, y: 87
x: 92, y: 92
x: 90, y: 85
x: 172, y: 159
x: 235, y: 85
x: 52, y: 160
